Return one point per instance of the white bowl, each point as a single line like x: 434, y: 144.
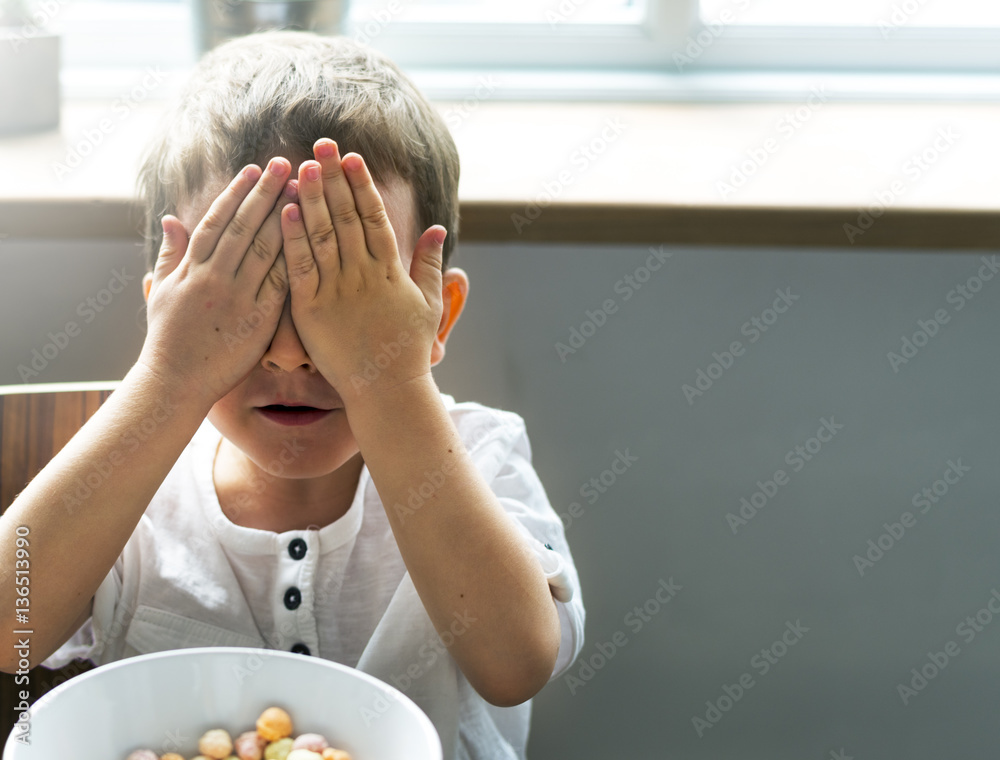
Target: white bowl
x: 165, y: 701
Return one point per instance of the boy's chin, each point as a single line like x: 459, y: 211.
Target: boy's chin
x: 282, y: 462
x: 301, y: 472
x: 289, y: 452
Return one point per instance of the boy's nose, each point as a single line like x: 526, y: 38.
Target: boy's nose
x: 286, y: 351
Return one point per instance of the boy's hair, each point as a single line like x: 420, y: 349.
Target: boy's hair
x: 276, y: 93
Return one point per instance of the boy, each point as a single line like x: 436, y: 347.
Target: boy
x: 280, y: 469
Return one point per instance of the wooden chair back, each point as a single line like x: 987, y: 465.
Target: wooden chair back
x: 36, y: 421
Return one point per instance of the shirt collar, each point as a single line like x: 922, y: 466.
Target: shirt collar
x: 243, y: 540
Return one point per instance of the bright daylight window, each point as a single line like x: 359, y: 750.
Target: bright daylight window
x: 512, y: 11
x: 861, y: 35
x: 110, y: 33
x: 657, y: 39
x: 918, y: 13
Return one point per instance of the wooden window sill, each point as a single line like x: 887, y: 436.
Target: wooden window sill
x: 795, y: 174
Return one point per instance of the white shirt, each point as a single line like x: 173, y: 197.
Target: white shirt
x: 189, y: 577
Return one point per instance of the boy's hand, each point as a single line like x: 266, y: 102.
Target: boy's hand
x: 351, y: 297
x: 215, y: 300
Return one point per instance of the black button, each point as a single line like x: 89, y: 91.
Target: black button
x: 301, y: 648
x: 293, y: 598
x: 297, y: 548
x: 549, y: 547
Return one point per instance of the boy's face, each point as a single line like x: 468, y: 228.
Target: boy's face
x: 285, y: 374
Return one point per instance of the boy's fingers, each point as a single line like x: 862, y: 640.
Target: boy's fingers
x: 267, y: 242
x: 303, y: 272
x: 378, y: 232
x: 241, y: 230
x: 274, y: 289
x: 172, y: 249
x: 207, y: 234
x: 425, y: 268
x: 322, y: 237
x: 340, y: 201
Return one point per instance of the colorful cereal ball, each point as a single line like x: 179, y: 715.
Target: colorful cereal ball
x: 304, y: 754
x: 335, y: 754
x: 274, y: 723
x: 278, y: 750
x: 216, y: 744
x: 313, y: 742
x: 143, y: 754
x: 250, y: 746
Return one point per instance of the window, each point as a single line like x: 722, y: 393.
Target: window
x: 894, y: 13
x: 521, y: 33
x: 853, y: 35
x: 586, y: 48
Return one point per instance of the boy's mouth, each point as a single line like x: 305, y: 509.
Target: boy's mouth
x: 293, y: 415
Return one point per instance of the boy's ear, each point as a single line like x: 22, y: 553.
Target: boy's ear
x: 454, y: 293
x: 147, y: 283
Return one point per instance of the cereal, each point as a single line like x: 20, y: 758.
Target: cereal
x: 335, y: 754
x: 272, y: 740
x: 304, y: 754
x: 274, y: 723
x: 313, y: 742
x: 278, y: 750
x: 216, y: 744
x: 250, y: 746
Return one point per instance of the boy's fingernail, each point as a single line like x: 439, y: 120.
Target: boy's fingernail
x: 312, y: 173
x: 293, y: 213
x: 278, y: 168
x: 291, y: 190
x: 439, y: 236
x: 324, y: 149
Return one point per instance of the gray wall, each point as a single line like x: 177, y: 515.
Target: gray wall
x: 665, y: 517
x: 47, y: 285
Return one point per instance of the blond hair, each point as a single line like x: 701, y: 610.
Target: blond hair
x: 276, y: 93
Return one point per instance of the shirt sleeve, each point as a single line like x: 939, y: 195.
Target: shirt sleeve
x: 503, y: 455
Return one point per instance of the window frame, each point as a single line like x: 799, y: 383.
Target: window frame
x: 643, y: 43
x: 914, y: 50
x: 592, y: 61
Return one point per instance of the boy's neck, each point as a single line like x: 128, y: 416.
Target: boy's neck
x: 282, y: 504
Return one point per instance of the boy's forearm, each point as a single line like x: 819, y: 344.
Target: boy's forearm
x: 470, y: 565
x: 83, y: 506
